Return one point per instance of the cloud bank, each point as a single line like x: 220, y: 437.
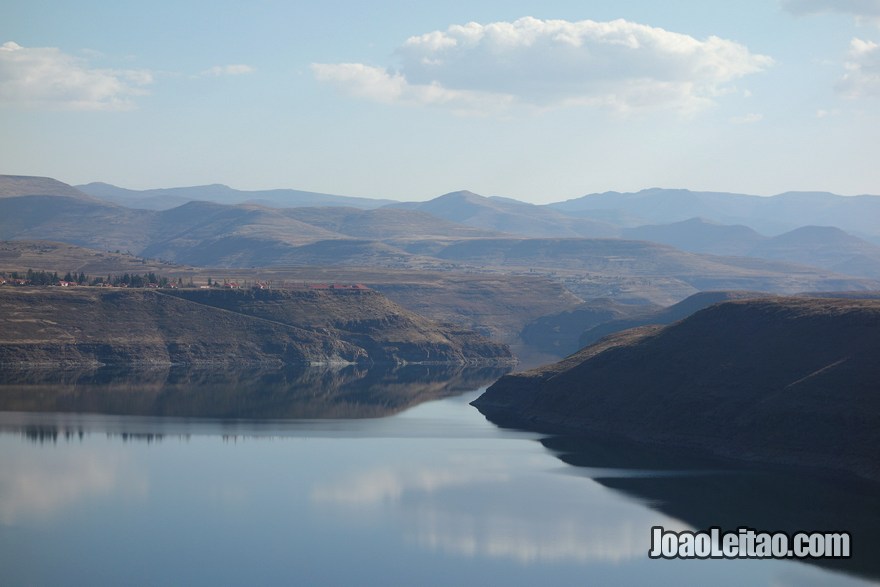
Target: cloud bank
x: 620, y: 65
x: 45, y: 77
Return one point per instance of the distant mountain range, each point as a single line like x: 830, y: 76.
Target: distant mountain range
x: 167, y: 198
x: 767, y: 215
x: 594, y: 215
x: 466, y: 231
x: 461, y: 231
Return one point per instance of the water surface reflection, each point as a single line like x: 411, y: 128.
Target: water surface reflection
x: 295, y: 392
x: 204, y: 478
x: 704, y: 492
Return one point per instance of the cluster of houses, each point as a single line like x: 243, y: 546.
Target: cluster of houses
x: 226, y: 285
x: 234, y: 285
x: 64, y: 283
x: 319, y: 286
x: 337, y: 286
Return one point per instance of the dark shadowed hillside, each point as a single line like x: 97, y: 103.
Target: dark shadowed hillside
x: 559, y: 334
x: 789, y: 380
x: 668, y: 315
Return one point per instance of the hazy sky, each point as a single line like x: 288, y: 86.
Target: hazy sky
x: 541, y: 101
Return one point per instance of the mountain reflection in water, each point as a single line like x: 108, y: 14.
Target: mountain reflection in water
x: 433, y: 495
x: 704, y: 492
x: 301, y: 392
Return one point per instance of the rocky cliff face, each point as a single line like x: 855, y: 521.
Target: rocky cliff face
x: 785, y: 380
x: 85, y: 327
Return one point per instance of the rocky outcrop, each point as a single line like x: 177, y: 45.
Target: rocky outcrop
x: 791, y: 381
x: 52, y: 327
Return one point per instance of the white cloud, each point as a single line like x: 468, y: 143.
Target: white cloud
x: 619, y: 65
x: 865, y: 11
x: 45, y: 77
x: 862, y: 77
x: 220, y: 70
x: 380, y: 85
x: 823, y: 113
x: 750, y: 118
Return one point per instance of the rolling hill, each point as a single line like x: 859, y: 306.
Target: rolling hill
x: 698, y: 235
x: 411, y: 237
x: 789, y: 381
x: 509, y: 216
x: 640, y: 259
x: 767, y: 215
x: 167, y: 198
x: 27, y: 185
x: 207, y: 234
x: 820, y: 246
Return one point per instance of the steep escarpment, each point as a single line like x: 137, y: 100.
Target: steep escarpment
x: 57, y: 327
x: 782, y: 380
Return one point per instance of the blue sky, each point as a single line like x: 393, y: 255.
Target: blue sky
x: 537, y: 101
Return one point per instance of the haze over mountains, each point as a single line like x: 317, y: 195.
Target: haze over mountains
x: 635, y: 249
x: 594, y: 215
x: 767, y: 215
x: 205, y: 230
x: 167, y: 198
x: 466, y: 232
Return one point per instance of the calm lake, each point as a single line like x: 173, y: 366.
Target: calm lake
x: 350, y: 477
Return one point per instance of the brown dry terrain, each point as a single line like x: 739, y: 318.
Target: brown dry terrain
x: 89, y: 326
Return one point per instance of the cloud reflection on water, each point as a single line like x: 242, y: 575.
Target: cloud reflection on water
x: 53, y: 483
x: 491, y: 507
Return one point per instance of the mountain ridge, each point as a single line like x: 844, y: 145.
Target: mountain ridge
x: 165, y: 198
x: 789, y: 381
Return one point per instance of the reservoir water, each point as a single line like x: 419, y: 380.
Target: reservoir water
x: 359, y: 487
